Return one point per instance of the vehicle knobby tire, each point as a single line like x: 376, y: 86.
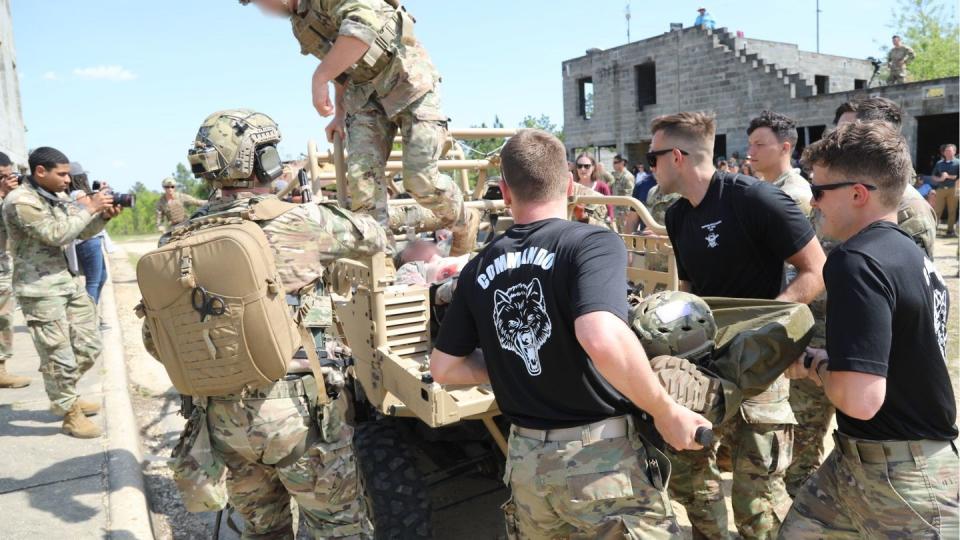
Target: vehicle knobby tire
x: 396, y: 495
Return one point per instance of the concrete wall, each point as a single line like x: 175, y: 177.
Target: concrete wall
x: 699, y: 70
x: 13, y: 140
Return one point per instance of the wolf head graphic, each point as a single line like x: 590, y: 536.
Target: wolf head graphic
x: 520, y: 317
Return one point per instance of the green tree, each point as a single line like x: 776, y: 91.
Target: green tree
x: 541, y: 122
x: 932, y: 32
x: 191, y: 185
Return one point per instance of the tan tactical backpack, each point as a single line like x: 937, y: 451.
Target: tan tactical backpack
x: 215, y: 306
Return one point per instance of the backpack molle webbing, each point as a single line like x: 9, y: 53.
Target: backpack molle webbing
x: 215, y: 305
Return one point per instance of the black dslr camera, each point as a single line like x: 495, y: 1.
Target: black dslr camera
x: 123, y: 200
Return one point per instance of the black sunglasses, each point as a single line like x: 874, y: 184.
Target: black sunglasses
x: 652, y: 155
x: 818, y: 191
x: 584, y: 165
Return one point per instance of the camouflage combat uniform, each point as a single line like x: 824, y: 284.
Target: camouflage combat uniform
x: 175, y: 211
x: 7, y: 303
x: 658, y: 204
x: 897, y: 60
x: 60, y: 315
x: 257, y: 432
x: 622, y: 186
x: 397, y: 90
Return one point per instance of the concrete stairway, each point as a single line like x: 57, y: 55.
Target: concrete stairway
x: 799, y: 85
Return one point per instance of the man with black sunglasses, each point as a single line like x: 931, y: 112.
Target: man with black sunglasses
x: 731, y: 235
x: 894, y: 469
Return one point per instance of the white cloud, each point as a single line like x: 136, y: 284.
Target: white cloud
x: 50, y: 76
x: 105, y: 73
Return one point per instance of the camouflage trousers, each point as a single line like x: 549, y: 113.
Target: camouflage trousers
x: 7, y: 306
x: 586, y: 489
x: 814, y: 412
x: 66, y: 335
x: 370, y: 135
x: 761, y: 453
x: 870, y: 489
x: 272, y: 453
x: 896, y: 77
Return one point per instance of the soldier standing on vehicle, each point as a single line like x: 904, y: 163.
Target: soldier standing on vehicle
x: 275, y: 440
x: 41, y: 221
x: 894, y: 469
x: 172, y: 205
x: 385, y: 82
x: 9, y: 181
x: 731, y: 235
x: 897, y: 59
x: 621, y: 186
x: 546, y: 302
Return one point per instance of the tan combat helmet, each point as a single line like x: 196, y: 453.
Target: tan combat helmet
x: 674, y: 323
x: 235, y: 145
x: 169, y: 182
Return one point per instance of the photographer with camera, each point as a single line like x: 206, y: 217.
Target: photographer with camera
x: 89, y: 253
x: 9, y: 180
x: 41, y: 221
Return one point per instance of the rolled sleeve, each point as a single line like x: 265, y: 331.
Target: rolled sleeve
x: 359, y: 30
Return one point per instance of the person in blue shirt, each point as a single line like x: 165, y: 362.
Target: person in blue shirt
x: 944, y: 177
x: 704, y: 19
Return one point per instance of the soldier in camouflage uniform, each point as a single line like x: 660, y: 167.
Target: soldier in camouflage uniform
x: 385, y: 82
x: 272, y: 442
x: 772, y: 138
x: 897, y: 59
x: 658, y: 203
x: 172, y: 205
x: 41, y: 220
x: 621, y: 186
x: 8, y: 182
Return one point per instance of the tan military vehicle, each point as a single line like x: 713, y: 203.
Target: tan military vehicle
x: 412, y: 433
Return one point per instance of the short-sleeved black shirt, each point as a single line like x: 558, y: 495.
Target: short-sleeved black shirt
x: 518, y: 300
x: 951, y: 167
x: 734, y: 243
x: 887, y: 316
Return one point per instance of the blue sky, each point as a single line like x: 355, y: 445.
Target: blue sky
x: 122, y: 85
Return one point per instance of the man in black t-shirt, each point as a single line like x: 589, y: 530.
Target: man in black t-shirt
x: 894, y: 471
x: 731, y: 235
x: 547, y: 304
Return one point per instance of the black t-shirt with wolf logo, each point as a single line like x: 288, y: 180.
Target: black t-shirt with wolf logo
x: 518, y: 300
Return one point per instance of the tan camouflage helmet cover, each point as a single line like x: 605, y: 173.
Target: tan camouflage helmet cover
x: 169, y: 182
x: 225, y: 147
x: 674, y: 323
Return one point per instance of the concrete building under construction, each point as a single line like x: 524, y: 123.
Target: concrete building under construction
x: 611, y: 96
x: 13, y: 137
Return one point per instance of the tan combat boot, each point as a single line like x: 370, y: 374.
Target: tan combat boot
x: 695, y: 388
x: 77, y: 425
x: 88, y: 408
x: 465, y: 234
x: 11, y: 381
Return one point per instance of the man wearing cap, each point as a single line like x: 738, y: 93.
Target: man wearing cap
x: 622, y: 186
x: 172, y: 205
x: 704, y: 19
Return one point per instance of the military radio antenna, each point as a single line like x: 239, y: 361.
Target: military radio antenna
x: 626, y: 14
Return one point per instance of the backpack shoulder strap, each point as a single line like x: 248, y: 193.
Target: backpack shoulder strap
x: 269, y: 208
